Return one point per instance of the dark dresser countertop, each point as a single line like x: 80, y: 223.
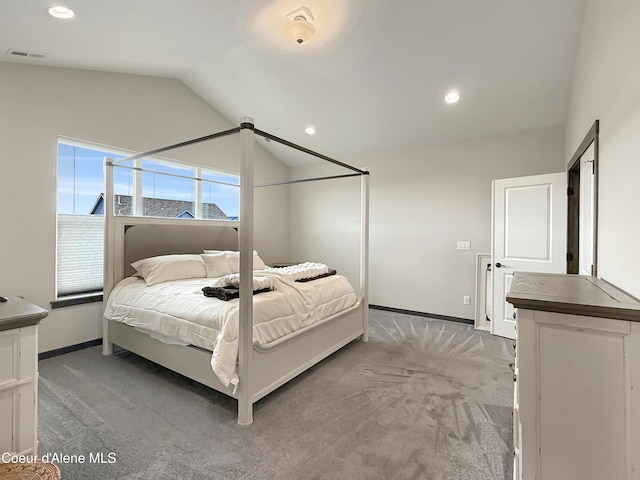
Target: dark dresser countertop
x: 572, y: 294
x: 18, y: 313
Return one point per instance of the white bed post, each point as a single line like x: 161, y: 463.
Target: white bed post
x: 198, y: 207
x: 364, y: 253
x: 107, y: 346
x: 245, y: 338
x: 138, y: 204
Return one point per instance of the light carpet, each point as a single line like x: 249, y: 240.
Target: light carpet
x: 423, y: 399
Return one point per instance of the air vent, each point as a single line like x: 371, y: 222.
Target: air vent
x: 24, y: 53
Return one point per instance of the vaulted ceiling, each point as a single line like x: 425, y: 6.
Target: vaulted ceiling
x: 373, y: 78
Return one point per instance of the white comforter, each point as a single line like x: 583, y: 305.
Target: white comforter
x: 180, y: 310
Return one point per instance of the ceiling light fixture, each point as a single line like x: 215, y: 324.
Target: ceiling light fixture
x: 310, y: 130
x: 61, y: 12
x: 300, y: 29
x: 452, y: 97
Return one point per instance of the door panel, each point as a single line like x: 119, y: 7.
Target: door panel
x: 529, y: 234
x: 508, y: 310
x: 527, y: 222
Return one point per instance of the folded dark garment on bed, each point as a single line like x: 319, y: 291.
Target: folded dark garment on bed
x: 227, y: 293
x: 322, y: 275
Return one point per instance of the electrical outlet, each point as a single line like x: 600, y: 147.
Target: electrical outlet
x: 466, y: 300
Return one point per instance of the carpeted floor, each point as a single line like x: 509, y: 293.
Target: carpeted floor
x: 423, y: 399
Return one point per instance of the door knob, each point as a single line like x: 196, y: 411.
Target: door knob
x: 498, y: 265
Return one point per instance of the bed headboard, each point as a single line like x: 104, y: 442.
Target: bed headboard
x: 142, y: 240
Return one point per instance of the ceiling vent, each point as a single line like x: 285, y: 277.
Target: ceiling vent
x: 24, y: 53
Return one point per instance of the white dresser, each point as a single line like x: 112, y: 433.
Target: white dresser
x: 19, y: 376
x: 577, y: 379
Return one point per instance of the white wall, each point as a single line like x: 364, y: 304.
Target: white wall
x: 423, y: 200
x: 131, y: 112
x: 606, y: 86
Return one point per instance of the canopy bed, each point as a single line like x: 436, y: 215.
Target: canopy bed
x: 243, y: 352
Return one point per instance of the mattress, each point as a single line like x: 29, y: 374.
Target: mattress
x: 178, y: 310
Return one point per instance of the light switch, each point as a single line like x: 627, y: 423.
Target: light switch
x: 464, y: 245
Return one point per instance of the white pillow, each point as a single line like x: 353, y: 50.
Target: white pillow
x: 234, y: 259
x: 258, y: 263
x: 216, y: 264
x: 170, y: 267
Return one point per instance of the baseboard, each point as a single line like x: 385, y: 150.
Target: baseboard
x: 422, y: 314
x: 69, y: 349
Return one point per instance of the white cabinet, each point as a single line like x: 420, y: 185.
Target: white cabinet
x: 577, y: 372
x: 19, y: 376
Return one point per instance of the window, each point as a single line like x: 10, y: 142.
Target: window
x: 165, y: 196
x: 222, y: 196
x: 80, y: 210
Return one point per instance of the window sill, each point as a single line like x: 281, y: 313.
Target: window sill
x: 77, y: 300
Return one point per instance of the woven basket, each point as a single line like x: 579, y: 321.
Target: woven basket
x: 29, y: 471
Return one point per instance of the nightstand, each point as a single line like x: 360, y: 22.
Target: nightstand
x: 19, y: 321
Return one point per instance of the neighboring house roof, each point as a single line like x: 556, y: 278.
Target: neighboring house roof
x: 159, y: 207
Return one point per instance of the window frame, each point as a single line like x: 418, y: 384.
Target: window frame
x: 137, y: 200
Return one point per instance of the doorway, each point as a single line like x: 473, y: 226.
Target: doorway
x: 582, y: 206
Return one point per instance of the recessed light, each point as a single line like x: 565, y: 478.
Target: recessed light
x: 310, y: 130
x: 61, y: 12
x: 452, y: 97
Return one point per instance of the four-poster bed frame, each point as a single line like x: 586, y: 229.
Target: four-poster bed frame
x: 261, y: 368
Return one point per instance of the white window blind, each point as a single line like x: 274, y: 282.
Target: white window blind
x: 80, y: 254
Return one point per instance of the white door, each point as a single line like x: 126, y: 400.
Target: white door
x: 529, y: 234
x: 587, y: 213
